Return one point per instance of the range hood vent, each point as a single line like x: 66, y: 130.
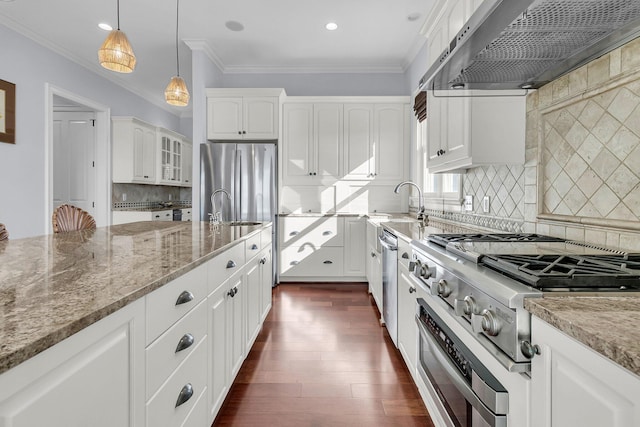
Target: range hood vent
x: 515, y: 44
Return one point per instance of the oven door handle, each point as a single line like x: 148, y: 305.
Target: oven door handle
x: 458, y: 381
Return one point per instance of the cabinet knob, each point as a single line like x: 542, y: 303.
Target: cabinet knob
x: 185, y: 394
x: 263, y: 261
x: 294, y: 233
x: 239, y: 132
x: 232, y: 292
x: 328, y: 262
x: 244, y: 132
x: 185, y: 342
x: 254, y: 247
x: 373, y: 254
x: 327, y: 233
x: 184, y: 298
x: 405, y: 255
x: 412, y: 290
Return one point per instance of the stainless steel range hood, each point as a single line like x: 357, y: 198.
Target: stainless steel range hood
x: 511, y: 44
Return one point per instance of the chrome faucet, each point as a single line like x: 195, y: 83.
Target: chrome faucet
x: 216, y: 216
x: 421, y: 215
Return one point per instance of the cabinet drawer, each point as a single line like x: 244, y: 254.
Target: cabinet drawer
x: 317, y: 231
x: 309, y: 261
x: 252, y: 246
x: 163, y: 356
x: 161, y: 408
x: 198, y: 415
x: 162, y: 215
x: 225, y: 265
x: 169, y: 303
x: 404, y: 253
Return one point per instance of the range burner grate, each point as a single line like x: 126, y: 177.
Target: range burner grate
x: 602, y: 272
x: 444, y: 239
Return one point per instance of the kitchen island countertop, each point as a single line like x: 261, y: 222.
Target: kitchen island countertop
x: 609, y: 325
x: 56, y: 285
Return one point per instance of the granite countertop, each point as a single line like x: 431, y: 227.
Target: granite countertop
x: 55, y: 285
x: 609, y: 325
x: 409, y: 228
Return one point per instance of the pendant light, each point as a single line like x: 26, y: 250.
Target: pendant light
x: 116, y: 53
x: 176, y: 92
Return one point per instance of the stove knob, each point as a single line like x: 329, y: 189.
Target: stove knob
x: 416, y: 268
x: 470, y: 306
x: 529, y: 350
x: 486, y: 322
x: 444, y: 290
x: 424, y: 271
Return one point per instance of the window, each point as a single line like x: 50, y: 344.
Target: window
x: 439, y: 189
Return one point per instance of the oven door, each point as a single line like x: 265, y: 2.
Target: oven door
x: 454, y: 393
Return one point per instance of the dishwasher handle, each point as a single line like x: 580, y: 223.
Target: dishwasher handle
x: 387, y: 244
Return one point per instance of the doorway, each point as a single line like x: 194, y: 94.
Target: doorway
x: 78, y: 156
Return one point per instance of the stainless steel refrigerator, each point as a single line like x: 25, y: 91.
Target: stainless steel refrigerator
x: 248, y: 172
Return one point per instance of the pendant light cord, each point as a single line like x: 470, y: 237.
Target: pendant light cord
x: 118, y: 11
x: 177, y: 56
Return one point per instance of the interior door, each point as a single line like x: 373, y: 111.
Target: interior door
x: 73, y: 159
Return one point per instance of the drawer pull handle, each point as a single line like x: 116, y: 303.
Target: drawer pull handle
x: 184, y: 298
x: 373, y: 254
x: 405, y: 255
x: 185, y: 342
x: 412, y: 290
x: 263, y: 261
x: 231, y: 264
x: 254, y: 247
x: 294, y: 233
x: 327, y: 233
x: 328, y: 262
x: 185, y: 394
x: 294, y: 262
x: 232, y: 292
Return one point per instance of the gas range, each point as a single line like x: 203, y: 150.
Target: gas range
x: 483, y: 280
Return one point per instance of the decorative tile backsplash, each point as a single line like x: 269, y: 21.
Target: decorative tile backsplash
x: 591, y: 156
x: 504, y: 184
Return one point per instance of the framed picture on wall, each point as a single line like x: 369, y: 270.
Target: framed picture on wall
x: 7, y: 112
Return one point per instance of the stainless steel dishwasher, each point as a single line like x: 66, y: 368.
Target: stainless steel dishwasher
x: 389, y: 244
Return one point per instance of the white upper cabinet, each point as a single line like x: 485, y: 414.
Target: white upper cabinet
x: 134, y: 151
x: 465, y: 129
x: 250, y: 114
x: 312, y: 141
x: 375, y: 141
x: 145, y: 154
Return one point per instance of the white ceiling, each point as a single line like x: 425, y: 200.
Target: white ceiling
x: 278, y: 35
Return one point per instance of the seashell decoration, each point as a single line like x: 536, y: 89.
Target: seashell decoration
x: 4, y: 234
x: 71, y: 218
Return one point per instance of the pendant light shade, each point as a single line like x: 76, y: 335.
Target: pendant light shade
x: 116, y: 53
x: 176, y: 92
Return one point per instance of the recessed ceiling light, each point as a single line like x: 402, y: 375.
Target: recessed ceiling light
x: 105, y: 26
x: 234, y: 25
x: 331, y: 26
x: 413, y: 16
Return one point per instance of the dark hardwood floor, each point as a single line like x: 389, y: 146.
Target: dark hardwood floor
x: 322, y: 359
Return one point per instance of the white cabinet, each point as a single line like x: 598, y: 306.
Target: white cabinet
x: 355, y: 241
x: 374, y: 264
x: 218, y: 363
x: 124, y: 217
x: 253, y: 286
x: 134, y: 151
x: 171, y: 159
x: 93, y: 378
x: 243, y: 114
x: 466, y: 129
x: 407, y: 328
x: 375, y: 138
x: 311, y: 247
x: 187, y: 163
x: 572, y: 385
x: 312, y: 142
x: 145, y: 154
x: 266, y: 270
